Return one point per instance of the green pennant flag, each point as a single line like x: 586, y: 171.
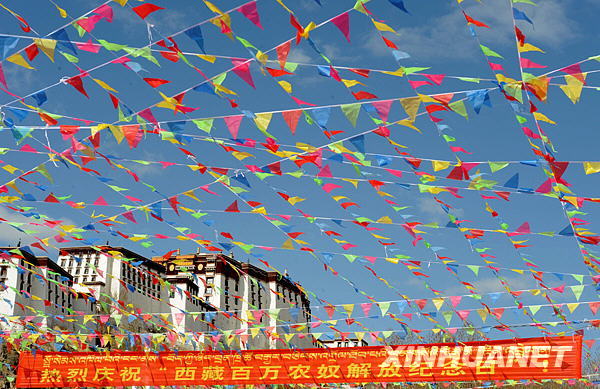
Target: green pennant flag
x: 459, y: 108
x: 474, y: 269
x: 489, y: 52
x: 495, y: 166
x: 204, y: 124
x: 384, y: 306
x: 577, y: 291
x: 448, y: 316
x: 351, y: 111
x: 534, y: 309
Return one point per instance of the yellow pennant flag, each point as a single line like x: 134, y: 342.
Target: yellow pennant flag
x: 541, y: 117
x: 591, y: 167
x: 411, y: 106
x: 286, y: 86
x: 573, y: 88
x: 529, y: 47
x: 47, y: 46
x: 440, y: 165
x: 104, y: 85
x: 18, y: 59
x: 63, y: 13
x: 262, y: 120
x: 383, y: 27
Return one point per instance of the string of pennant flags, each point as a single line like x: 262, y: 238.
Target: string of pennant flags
x: 304, y: 162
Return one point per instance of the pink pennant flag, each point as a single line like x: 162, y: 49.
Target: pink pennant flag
x: 495, y: 66
x: 416, y: 84
x: 88, y: 24
x: 100, y: 201
x: 546, y: 187
x: 205, y: 188
x: 530, y: 133
x: 594, y: 307
x: 88, y: 46
x: 527, y: 63
x: 366, y: 308
x: 456, y: 149
x: 559, y: 289
x: 463, y: 314
x: 28, y: 148
x: 435, y: 78
x: 129, y: 216
x: 342, y: 22
x: 498, y: 312
x: 383, y: 108
x: 396, y: 173
x: 233, y: 124
x: 575, y: 71
x: 455, y: 300
x: 374, y: 335
x: 330, y: 309
x: 105, y: 11
x: 148, y: 115
x: 291, y: 118
x: 2, y: 78
x: 325, y: 172
x: 329, y: 187
x: 523, y: 229
x: 242, y: 69
x: 250, y: 11
x: 302, y: 102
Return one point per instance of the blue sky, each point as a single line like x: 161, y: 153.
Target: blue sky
x: 435, y: 36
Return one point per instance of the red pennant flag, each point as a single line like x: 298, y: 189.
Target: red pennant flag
x: 282, y: 53
x: 133, y: 133
x: 68, y: 131
x: 146, y: 9
x: 156, y: 82
x: 242, y: 69
x: 361, y: 72
x: 362, y: 95
x: 342, y: 22
x: 470, y: 20
x: 32, y: 51
x: 51, y: 199
x: 277, y: 72
x: 233, y: 207
x: 77, y: 83
x: 435, y: 78
x: 250, y: 11
x: 173, y: 202
x: 389, y: 43
x: 291, y: 118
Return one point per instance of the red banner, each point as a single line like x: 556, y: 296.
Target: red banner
x: 532, y: 358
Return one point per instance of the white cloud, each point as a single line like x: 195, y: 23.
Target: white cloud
x: 434, y: 210
x: 297, y: 54
x: 10, y: 236
x: 447, y: 36
x: 492, y: 285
